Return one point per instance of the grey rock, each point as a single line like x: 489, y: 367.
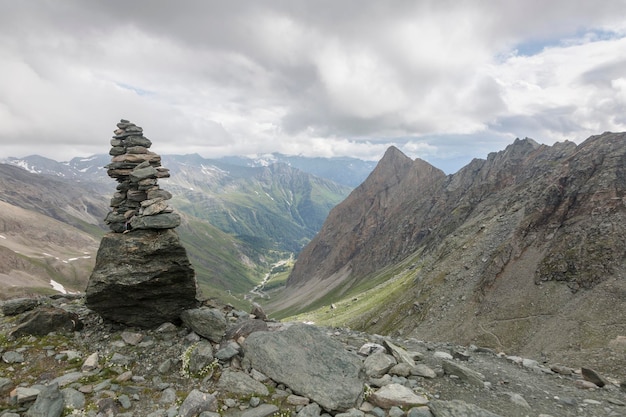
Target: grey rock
x: 208, y: 322
x: 119, y: 359
x: 139, y: 174
x: 464, y: 373
x: 563, y: 370
x: 102, y: 385
x: 298, y: 400
x: 401, y: 355
x: 310, y: 363
x: 243, y: 328
x: 165, y: 195
x: 49, y: 403
x: 442, y: 355
x: 264, y: 410
x: 258, y: 312
x: 401, y: 369
x: 241, y: 384
x: 91, y: 363
x: 353, y: 412
x: 197, y: 402
x: 157, y: 221
x: 154, y: 209
x: 124, y: 401
x: 227, y: 352
x: 73, y: 398
x: 423, y: 370
x: 143, y: 278
x: 23, y: 395
x: 311, y: 410
x: 165, y: 366
x: 132, y: 338
x: 68, y: 378
x: 419, y: 412
x: 395, y: 412
x: 44, y: 320
x: 458, y: 408
x: 378, y: 364
x: 5, y: 384
x: 370, y: 348
x: 201, y: 356
x: 397, y: 395
x: 168, y: 396
x: 209, y: 414
x: 593, y: 377
x: 378, y: 412
x: 519, y: 400
x: 107, y: 407
x: 11, y: 356
x: 18, y: 306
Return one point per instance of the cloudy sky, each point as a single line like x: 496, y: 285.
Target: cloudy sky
x: 442, y: 80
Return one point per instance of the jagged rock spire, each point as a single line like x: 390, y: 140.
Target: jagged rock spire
x: 139, y: 202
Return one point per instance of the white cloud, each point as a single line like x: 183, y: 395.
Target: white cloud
x: 441, y: 80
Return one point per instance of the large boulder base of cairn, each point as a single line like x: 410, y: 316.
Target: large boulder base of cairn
x: 143, y: 278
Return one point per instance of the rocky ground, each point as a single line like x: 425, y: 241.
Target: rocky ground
x: 231, y: 363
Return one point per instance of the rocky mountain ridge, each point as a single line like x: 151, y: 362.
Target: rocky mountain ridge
x: 225, y: 362
x: 522, y: 251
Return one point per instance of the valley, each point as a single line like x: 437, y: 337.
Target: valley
x: 517, y: 252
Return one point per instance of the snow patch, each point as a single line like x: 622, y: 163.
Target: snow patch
x: 57, y: 287
x: 2, y: 237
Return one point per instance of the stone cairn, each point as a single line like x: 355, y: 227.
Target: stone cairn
x: 139, y: 202
x: 142, y: 278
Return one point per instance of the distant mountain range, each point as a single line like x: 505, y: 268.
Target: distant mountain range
x: 240, y: 215
x: 345, y: 171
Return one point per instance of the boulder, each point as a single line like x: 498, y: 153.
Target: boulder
x: 241, y: 384
x: 143, y: 278
x: 49, y: 403
x: 208, y: 322
x: 245, y: 327
x: 18, y: 306
x: 397, y: 395
x: 464, y: 373
x: 44, y: 320
x: 197, y: 402
x: 310, y: 363
x: 377, y: 364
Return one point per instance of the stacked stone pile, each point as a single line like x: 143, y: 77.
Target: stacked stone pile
x: 139, y: 202
x: 142, y: 278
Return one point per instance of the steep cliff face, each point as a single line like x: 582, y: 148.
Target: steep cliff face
x: 376, y: 211
x: 523, y: 250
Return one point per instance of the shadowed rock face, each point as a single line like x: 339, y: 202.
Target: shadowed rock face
x: 142, y: 278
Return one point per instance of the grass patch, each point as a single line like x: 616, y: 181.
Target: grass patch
x: 364, y: 299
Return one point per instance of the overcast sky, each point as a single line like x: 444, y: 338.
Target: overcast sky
x: 442, y: 80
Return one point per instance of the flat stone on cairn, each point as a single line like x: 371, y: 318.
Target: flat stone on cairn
x: 142, y: 275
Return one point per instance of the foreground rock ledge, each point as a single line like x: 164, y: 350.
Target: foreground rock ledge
x: 143, y: 278
x: 312, y: 364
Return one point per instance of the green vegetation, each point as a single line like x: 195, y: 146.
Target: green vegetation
x: 354, y: 305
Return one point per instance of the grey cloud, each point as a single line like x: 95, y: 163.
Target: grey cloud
x: 232, y: 76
